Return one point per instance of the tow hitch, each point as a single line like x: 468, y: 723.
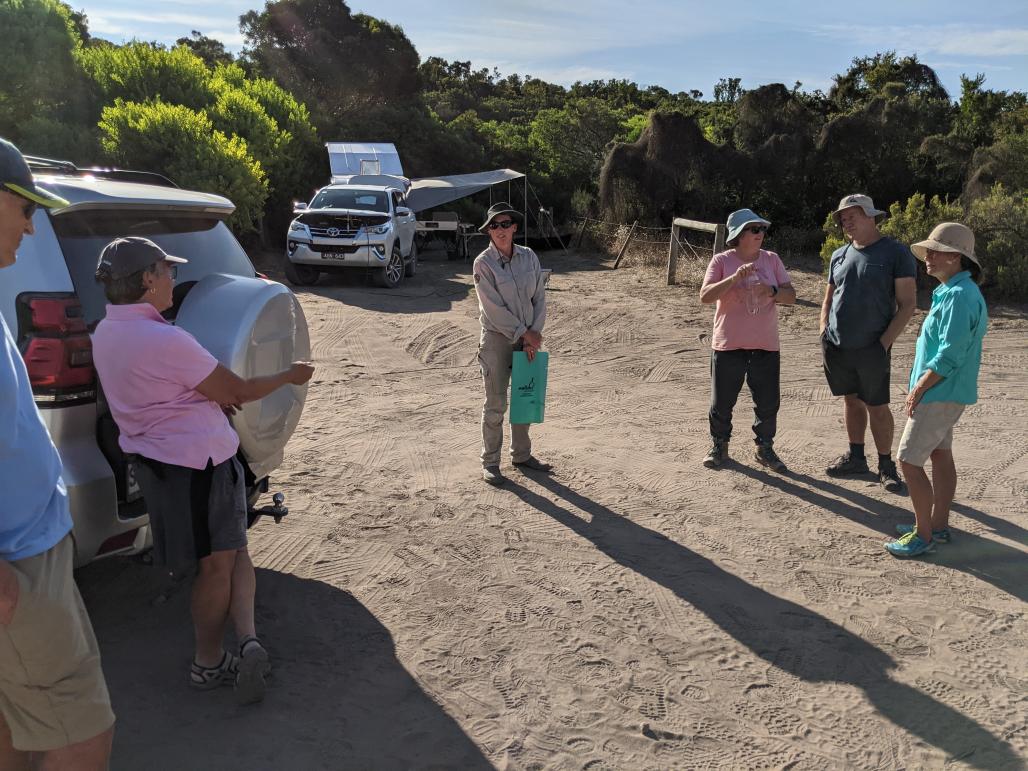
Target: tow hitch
x: 275, y: 510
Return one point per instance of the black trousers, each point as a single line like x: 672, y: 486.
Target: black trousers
x: 760, y: 370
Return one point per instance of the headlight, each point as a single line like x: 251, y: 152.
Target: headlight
x: 297, y: 226
x: 379, y: 230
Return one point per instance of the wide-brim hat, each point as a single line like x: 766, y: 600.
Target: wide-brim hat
x: 738, y: 220
x: 16, y: 177
x: 495, y: 211
x: 860, y: 200
x: 948, y: 237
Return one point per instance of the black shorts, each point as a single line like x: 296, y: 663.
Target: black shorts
x: 860, y: 372
x: 193, y: 512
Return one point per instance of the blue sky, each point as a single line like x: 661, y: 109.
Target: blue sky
x: 678, y: 45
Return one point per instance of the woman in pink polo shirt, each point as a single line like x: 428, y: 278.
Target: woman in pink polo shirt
x: 748, y: 284
x: 168, y: 396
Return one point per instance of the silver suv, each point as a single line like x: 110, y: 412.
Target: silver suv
x: 352, y: 226
x: 51, y: 302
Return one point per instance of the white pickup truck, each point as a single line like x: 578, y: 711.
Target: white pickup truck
x: 353, y: 225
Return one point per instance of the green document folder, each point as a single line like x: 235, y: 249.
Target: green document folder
x: 528, y: 387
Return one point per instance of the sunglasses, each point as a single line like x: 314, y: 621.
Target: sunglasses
x: 28, y: 208
x: 505, y: 224
x: 171, y: 270
x: 756, y: 229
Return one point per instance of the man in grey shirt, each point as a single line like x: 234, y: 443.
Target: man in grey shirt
x: 512, y: 310
x: 869, y: 298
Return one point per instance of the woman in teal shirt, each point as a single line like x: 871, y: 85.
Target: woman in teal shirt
x: 943, y: 381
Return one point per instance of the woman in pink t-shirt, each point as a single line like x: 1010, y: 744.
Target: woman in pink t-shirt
x: 167, y: 395
x: 748, y: 284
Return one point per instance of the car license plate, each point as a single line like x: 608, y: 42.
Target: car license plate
x: 333, y: 256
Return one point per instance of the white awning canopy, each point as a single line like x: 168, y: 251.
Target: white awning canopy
x: 430, y: 192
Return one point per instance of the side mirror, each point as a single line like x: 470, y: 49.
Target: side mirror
x: 299, y: 206
x: 402, y: 211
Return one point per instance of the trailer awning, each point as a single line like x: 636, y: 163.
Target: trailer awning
x: 430, y: 192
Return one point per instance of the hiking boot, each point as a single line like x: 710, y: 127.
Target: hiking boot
x: 910, y: 545
x: 889, y: 478
x: 846, y: 465
x: 534, y: 464
x: 718, y: 454
x: 766, y: 456
x: 493, y: 476
x: 938, y: 536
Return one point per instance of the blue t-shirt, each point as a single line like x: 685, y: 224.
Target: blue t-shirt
x: 35, y: 514
x: 864, y: 300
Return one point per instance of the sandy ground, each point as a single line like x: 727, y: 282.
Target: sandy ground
x: 632, y: 611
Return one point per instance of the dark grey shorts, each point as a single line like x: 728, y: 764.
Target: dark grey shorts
x: 193, y: 513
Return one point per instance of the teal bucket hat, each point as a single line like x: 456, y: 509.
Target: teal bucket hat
x: 737, y: 220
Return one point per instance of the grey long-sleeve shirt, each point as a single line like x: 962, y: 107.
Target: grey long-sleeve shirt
x: 511, y: 294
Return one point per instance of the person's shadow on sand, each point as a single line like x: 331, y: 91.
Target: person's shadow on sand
x: 991, y: 561
x: 338, y: 697
x: 788, y: 636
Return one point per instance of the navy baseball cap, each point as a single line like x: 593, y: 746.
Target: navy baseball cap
x: 16, y: 177
x: 125, y: 256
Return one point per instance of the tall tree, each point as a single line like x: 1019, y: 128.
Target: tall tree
x: 335, y: 61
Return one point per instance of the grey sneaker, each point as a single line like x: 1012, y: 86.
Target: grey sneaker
x: 765, y: 455
x: 718, y: 454
x: 493, y: 476
x: 889, y: 477
x: 846, y: 464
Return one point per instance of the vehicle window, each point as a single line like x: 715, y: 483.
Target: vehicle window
x: 206, y: 242
x: 336, y: 198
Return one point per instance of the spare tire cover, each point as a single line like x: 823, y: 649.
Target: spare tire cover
x: 254, y: 327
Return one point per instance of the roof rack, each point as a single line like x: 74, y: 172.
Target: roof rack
x: 37, y: 163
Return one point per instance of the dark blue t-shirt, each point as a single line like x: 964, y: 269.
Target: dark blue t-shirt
x: 864, y: 300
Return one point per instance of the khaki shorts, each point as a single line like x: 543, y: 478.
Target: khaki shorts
x: 52, y: 690
x: 929, y: 428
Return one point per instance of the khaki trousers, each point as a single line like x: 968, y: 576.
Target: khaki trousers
x: 495, y: 354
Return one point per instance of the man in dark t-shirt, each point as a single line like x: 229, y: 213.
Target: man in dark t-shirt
x: 869, y: 298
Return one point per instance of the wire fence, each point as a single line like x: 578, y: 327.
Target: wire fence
x: 648, y: 246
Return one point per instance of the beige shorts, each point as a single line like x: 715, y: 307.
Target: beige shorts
x: 52, y: 689
x: 929, y: 428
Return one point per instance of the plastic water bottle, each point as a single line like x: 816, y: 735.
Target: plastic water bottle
x: 753, y: 299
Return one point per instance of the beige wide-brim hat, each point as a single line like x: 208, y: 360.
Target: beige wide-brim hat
x: 948, y: 237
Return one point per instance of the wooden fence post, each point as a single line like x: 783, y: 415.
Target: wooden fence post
x: 719, y: 239
x: 624, y: 246
x: 581, y: 233
x: 672, y: 256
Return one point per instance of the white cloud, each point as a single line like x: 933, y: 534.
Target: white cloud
x: 944, y: 39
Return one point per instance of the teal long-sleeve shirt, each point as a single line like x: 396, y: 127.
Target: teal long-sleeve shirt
x: 950, y: 343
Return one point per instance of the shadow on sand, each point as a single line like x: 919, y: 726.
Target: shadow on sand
x: 991, y: 561
x: 339, y: 697
x: 788, y: 636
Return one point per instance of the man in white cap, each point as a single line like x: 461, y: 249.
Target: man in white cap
x: 869, y: 299
x: 512, y: 309
x: 53, y: 699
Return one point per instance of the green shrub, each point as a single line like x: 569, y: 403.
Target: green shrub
x: 185, y: 145
x: 1000, y: 225
x: 142, y: 72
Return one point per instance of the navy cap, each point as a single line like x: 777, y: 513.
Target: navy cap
x: 16, y: 177
x: 125, y: 256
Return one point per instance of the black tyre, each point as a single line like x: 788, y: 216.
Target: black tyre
x: 412, y: 262
x: 301, y: 275
x: 392, y: 273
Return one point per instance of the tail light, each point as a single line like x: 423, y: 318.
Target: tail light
x: 57, y: 350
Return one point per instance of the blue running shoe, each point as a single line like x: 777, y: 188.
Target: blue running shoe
x: 942, y: 536
x: 909, y: 545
